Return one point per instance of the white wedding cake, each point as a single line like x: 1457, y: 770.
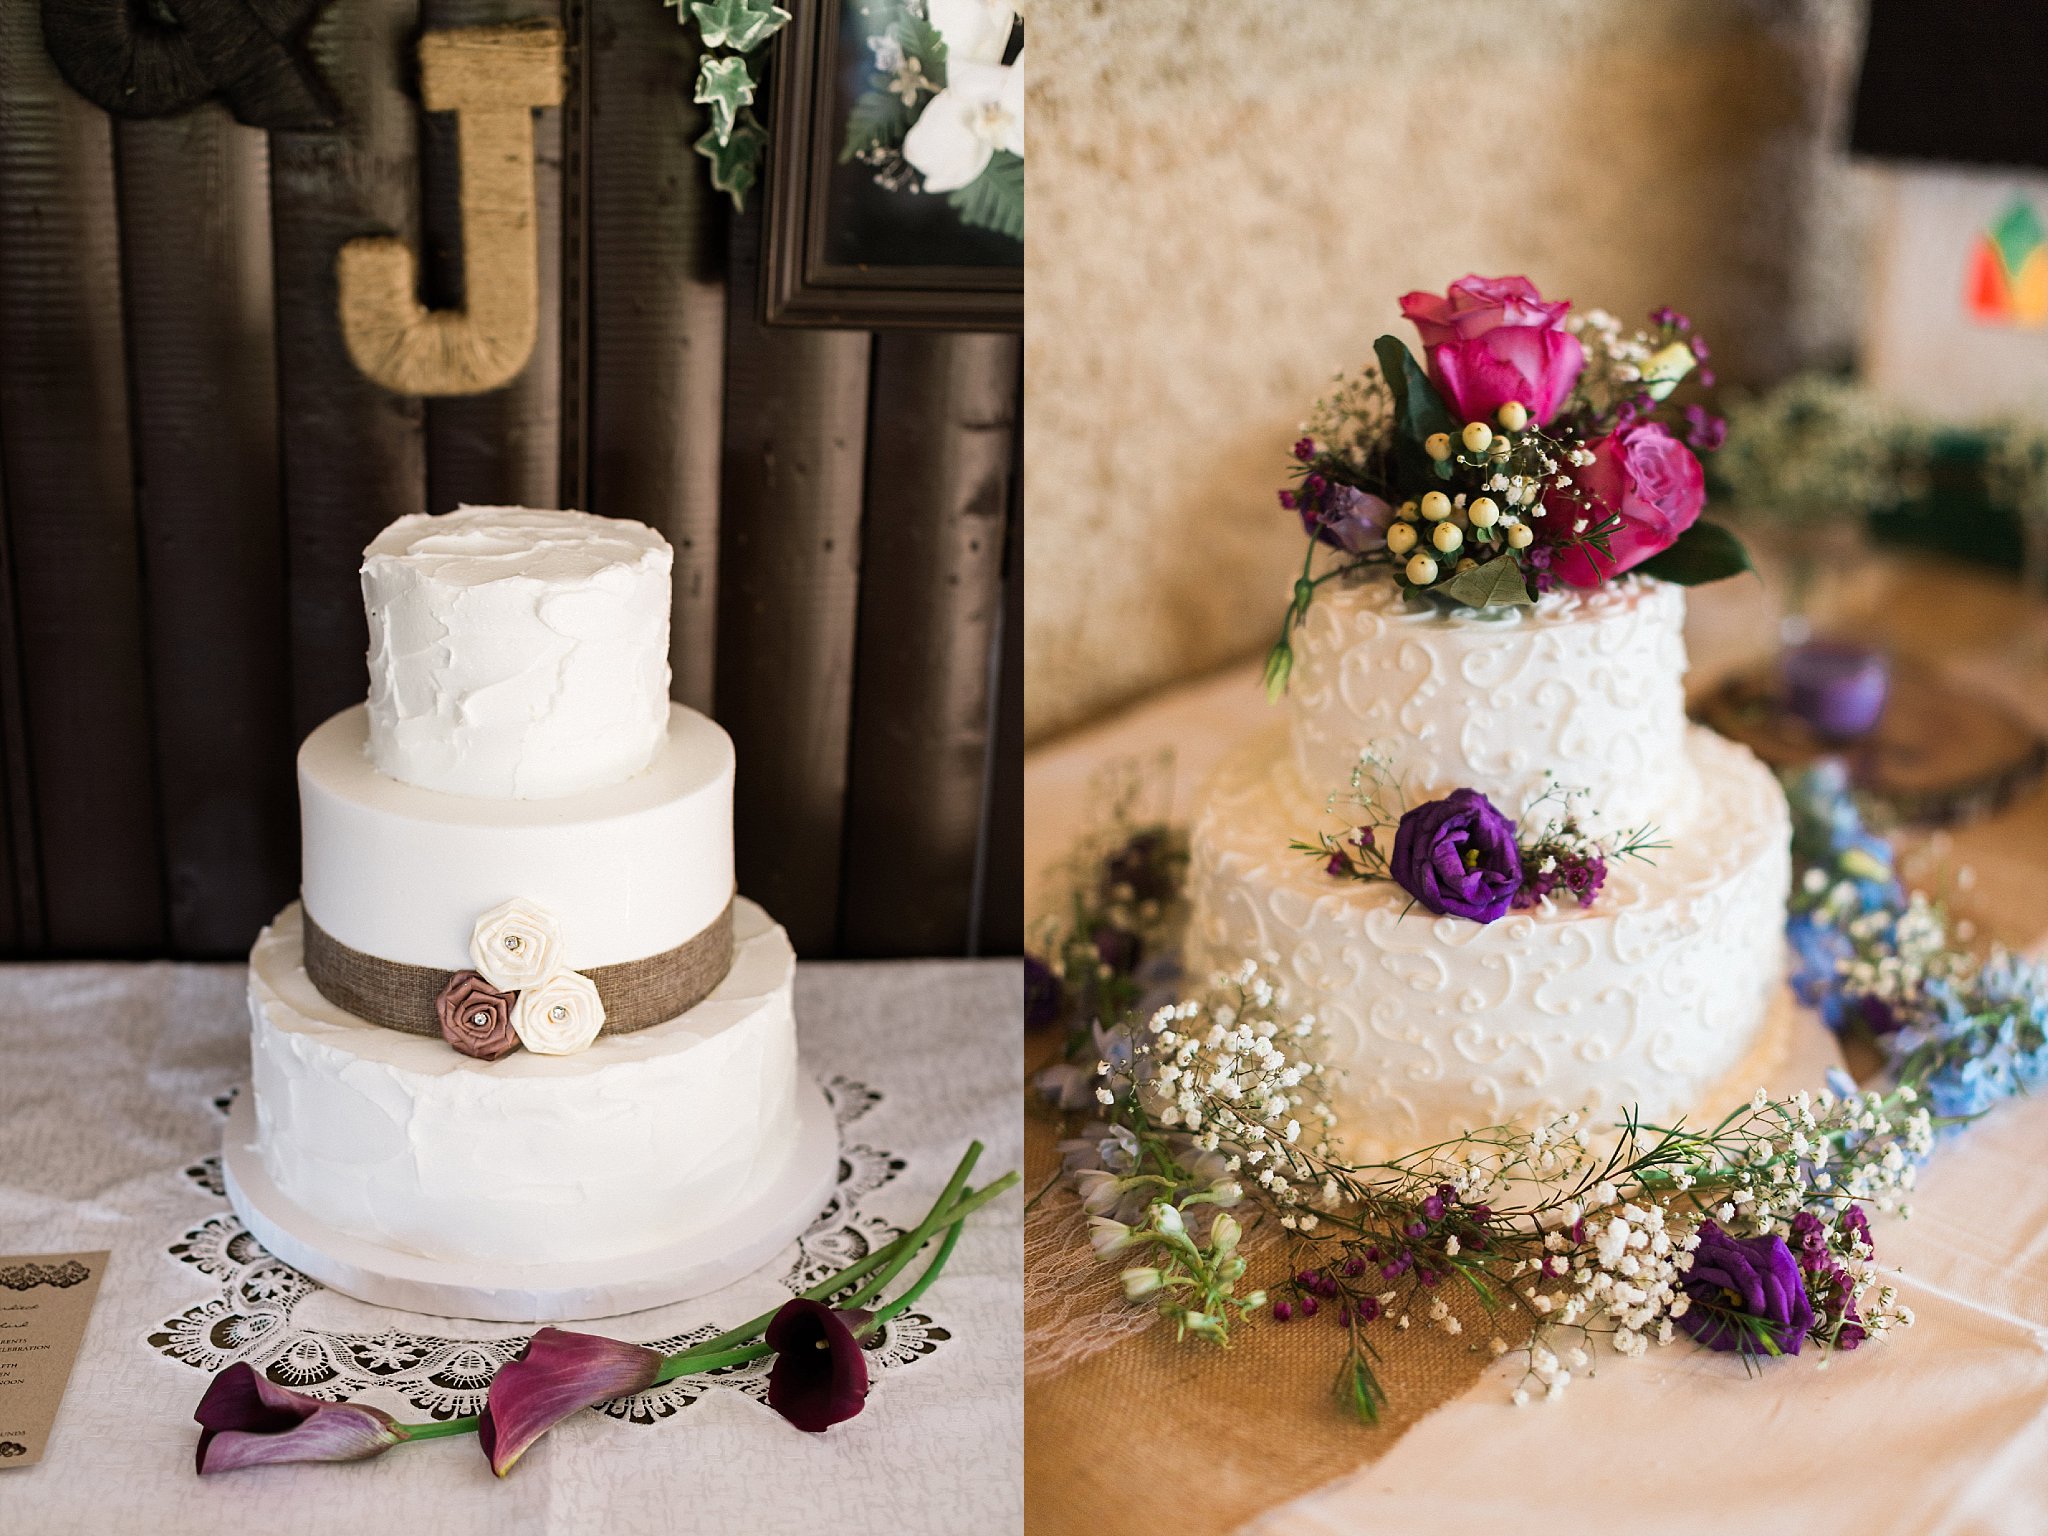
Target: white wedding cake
x: 1655, y: 995
x: 519, y: 1023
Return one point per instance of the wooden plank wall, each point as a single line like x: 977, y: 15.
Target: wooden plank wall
x: 190, y: 467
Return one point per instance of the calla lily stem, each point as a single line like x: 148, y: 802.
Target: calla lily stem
x: 735, y: 1347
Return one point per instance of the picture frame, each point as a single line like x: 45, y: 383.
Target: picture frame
x: 840, y: 251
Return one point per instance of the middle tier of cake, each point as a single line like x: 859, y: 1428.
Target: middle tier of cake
x: 1438, y: 1025
x: 628, y: 870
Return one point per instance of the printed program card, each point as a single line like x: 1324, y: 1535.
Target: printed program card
x: 45, y: 1299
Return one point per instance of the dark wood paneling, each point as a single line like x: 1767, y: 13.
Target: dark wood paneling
x: 938, y: 479
x: 656, y: 316
x: 789, y: 570
x: 999, y: 889
x: 21, y: 903
x: 354, y: 454
x: 502, y: 448
x: 65, y: 466
x: 195, y: 222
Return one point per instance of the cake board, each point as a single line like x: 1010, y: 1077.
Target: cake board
x: 783, y: 1203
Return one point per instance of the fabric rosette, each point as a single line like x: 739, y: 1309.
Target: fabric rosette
x: 476, y: 1018
x: 560, y: 1015
x: 1457, y: 856
x: 515, y: 945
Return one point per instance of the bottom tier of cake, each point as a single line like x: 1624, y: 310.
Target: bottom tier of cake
x: 641, y: 1142
x: 1653, y: 997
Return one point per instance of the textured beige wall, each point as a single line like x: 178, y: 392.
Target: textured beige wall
x: 1227, y: 198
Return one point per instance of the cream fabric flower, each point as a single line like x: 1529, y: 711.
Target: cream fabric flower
x: 560, y: 1015
x: 515, y: 945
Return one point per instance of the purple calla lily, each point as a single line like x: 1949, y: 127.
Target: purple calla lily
x: 557, y: 1374
x: 820, y: 1375
x: 247, y: 1420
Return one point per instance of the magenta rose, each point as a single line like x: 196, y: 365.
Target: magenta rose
x: 1656, y: 485
x: 1490, y: 340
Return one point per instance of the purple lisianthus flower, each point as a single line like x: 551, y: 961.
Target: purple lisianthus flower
x: 1756, y: 1276
x: 248, y: 1420
x: 1353, y: 520
x: 1457, y: 856
x: 820, y: 1375
x: 559, y: 1373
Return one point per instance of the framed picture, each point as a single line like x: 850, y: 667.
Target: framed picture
x: 858, y: 234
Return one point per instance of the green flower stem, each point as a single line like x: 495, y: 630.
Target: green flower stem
x: 955, y: 1204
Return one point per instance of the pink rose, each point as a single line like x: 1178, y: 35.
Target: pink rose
x: 1647, y: 476
x: 1490, y: 340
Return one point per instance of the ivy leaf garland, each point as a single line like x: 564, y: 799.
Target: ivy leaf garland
x: 742, y: 25
x: 726, y: 83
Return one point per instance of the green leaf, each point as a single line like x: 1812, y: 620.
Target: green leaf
x: 739, y: 24
x: 878, y: 119
x: 995, y: 198
x: 1496, y: 584
x: 1418, y: 409
x: 920, y: 40
x: 1704, y: 552
x: 735, y: 159
x: 725, y: 85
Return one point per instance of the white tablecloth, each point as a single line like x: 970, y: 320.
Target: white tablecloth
x: 107, y: 1116
x: 1944, y: 1430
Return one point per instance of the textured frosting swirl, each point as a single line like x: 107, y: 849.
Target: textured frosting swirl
x: 1439, y: 1025
x: 1583, y: 691
x: 516, y: 653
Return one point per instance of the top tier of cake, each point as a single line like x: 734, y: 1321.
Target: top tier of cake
x: 517, y: 653
x: 1584, y: 691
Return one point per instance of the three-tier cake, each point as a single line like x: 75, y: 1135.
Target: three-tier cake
x: 520, y: 1051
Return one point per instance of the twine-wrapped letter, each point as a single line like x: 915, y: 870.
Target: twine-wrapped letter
x: 491, y: 78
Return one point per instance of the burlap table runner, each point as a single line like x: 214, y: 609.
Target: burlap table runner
x: 1127, y: 1430
x: 635, y: 993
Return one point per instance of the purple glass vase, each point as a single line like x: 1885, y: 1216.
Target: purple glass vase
x: 1837, y: 688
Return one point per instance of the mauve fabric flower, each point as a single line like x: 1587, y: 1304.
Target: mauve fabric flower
x: 1490, y: 340
x: 1458, y: 856
x: 557, y: 1374
x: 1754, y: 1275
x: 820, y: 1375
x: 248, y: 1420
x: 1652, y: 480
x: 476, y: 1018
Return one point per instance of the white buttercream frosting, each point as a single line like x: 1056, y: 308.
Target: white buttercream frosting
x: 1585, y: 690
x: 516, y: 653
x: 640, y: 1141
x: 623, y: 872
x: 1439, y: 1025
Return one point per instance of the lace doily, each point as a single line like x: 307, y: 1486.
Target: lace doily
x: 313, y: 1340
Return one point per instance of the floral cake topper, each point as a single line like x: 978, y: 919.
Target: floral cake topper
x: 1462, y: 856
x: 1532, y: 448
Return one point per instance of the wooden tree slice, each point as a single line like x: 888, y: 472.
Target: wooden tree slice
x: 1940, y: 755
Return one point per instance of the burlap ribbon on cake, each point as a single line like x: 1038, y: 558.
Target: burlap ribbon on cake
x: 635, y: 993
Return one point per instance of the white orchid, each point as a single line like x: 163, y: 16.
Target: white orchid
x: 981, y: 110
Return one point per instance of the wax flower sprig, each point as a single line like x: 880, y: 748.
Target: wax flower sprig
x: 1460, y: 855
x: 819, y: 1376
x: 1532, y: 448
